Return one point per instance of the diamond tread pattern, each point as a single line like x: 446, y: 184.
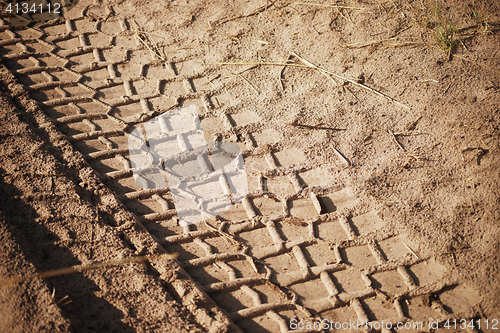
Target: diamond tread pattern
x: 284, y: 253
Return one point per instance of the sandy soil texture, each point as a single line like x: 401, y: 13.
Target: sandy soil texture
x: 370, y: 136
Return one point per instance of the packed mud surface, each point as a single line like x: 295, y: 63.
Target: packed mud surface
x: 370, y: 138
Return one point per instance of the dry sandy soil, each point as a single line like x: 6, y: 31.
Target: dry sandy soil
x: 370, y: 135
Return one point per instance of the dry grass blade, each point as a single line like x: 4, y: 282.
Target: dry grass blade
x: 409, y: 161
x: 239, y: 73
x: 79, y: 269
x: 393, y: 135
x: 404, y: 44
x: 250, y: 83
x: 255, y: 64
x: 247, y: 69
x: 412, y: 125
x: 409, y: 249
x: 477, y: 63
x: 329, y: 6
x: 396, y: 43
x: 359, y: 46
x: 262, y: 175
x: 342, y: 157
x: 403, y: 133
x: 309, y: 64
x: 375, y: 42
x: 223, y: 233
x: 147, y: 43
x: 395, y: 139
x: 63, y: 301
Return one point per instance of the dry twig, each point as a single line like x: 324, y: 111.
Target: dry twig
x: 413, y: 124
x: 317, y: 126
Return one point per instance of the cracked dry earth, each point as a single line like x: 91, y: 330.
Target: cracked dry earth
x: 359, y: 208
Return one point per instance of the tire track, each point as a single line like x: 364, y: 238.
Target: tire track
x: 294, y: 248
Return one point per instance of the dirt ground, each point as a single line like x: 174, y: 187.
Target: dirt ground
x: 370, y: 134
